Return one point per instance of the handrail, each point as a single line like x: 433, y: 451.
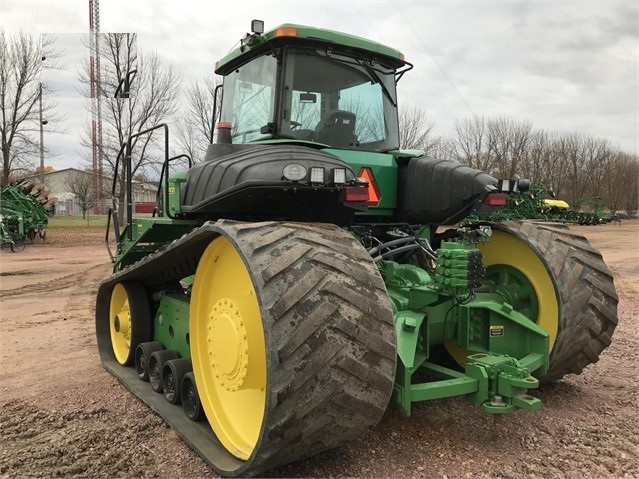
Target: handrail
x: 124, y: 85
x: 215, y: 93
x: 127, y: 148
x: 129, y: 187
x: 113, y: 210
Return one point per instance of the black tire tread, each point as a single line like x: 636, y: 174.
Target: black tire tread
x: 585, y: 289
x: 330, y: 337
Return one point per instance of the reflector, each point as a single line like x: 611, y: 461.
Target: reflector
x: 374, y: 195
x: 355, y: 193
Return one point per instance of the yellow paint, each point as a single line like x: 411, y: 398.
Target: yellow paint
x: 227, y: 348
x: 120, y: 324
x: 557, y: 204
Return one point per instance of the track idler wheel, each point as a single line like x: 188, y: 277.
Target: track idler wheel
x: 292, y: 341
x: 129, y: 320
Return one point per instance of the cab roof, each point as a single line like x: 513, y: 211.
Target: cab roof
x: 300, y: 35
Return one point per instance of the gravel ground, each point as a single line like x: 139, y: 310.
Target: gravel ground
x: 62, y: 415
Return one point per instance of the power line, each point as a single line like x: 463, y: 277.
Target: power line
x: 442, y: 71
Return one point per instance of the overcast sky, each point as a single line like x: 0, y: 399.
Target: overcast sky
x: 565, y: 66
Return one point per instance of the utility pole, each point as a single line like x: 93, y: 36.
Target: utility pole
x: 41, y: 137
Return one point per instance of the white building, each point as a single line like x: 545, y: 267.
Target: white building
x: 57, y: 182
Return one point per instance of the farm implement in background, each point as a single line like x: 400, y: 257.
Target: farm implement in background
x: 24, y: 210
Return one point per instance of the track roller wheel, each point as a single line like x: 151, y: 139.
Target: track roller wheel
x: 129, y: 320
x: 142, y: 354
x: 190, y: 400
x: 555, y: 276
x: 172, y: 374
x: 156, y: 365
x: 292, y: 342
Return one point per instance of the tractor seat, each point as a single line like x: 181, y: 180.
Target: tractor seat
x: 336, y: 128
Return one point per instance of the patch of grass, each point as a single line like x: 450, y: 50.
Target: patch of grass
x: 76, y: 221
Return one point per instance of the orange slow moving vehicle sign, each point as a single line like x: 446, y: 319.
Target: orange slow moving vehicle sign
x: 374, y: 196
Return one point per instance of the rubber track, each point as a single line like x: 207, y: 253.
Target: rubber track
x: 585, y: 289
x: 329, y: 329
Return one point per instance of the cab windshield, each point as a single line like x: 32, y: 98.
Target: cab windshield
x: 340, y: 101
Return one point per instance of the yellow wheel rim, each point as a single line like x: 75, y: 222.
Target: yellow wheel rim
x: 227, y: 348
x: 508, y: 250
x: 120, y: 324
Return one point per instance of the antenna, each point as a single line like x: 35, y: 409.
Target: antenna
x: 96, y: 122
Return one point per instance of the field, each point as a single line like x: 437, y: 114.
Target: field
x: 62, y: 414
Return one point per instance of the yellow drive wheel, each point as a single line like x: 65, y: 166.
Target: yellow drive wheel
x: 513, y: 265
x: 553, y: 276
x: 227, y: 348
x: 292, y: 342
x: 129, y: 320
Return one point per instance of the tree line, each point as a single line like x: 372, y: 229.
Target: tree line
x: 575, y: 166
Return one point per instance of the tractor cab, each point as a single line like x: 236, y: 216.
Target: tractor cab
x: 314, y: 86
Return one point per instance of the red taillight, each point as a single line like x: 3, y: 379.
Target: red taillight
x: 495, y: 199
x: 356, y: 194
x: 374, y: 196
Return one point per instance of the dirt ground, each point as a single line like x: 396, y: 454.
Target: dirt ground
x: 62, y: 414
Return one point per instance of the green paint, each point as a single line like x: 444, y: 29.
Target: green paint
x: 304, y: 35
x: 384, y: 169
x: 507, y: 345
x: 171, y: 323
x: 149, y: 234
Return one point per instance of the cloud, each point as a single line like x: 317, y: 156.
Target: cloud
x: 562, y: 65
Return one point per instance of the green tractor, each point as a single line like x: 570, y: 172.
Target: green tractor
x: 299, y: 280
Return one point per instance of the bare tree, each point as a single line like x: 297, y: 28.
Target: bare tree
x: 20, y: 91
x: 152, y: 101
x: 507, y: 144
x: 620, y: 185
x: 468, y: 144
x: 193, y: 131
x: 80, y: 183
x: 417, y: 130
x: 575, y: 166
x: 535, y: 164
x: 631, y: 184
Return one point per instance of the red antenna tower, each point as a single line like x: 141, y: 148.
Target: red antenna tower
x: 96, y: 123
